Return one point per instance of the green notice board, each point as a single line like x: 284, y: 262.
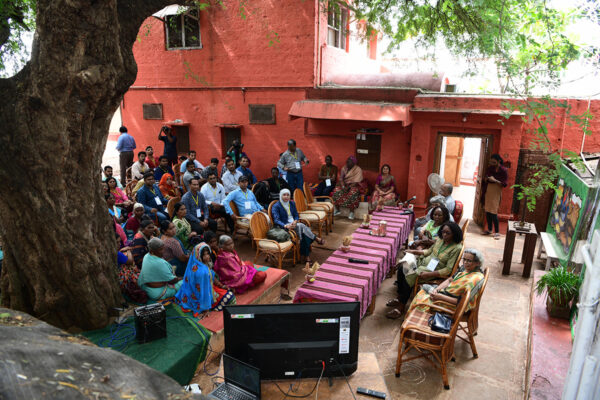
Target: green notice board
x: 567, y: 212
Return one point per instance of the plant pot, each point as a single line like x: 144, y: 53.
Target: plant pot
x: 558, y: 310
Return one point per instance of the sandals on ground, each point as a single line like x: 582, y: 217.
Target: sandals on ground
x: 320, y: 241
x: 393, y: 303
x: 394, y: 314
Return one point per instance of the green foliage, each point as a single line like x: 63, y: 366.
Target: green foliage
x: 560, y: 284
x: 17, y: 19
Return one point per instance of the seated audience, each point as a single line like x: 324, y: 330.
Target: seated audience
x: 150, y: 159
x: 468, y: 276
x: 157, y: 278
x: 133, y: 223
x: 435, y: 262
x: 190, y: 174
x: 431, y: 229
x: 244, y: 200
x: 163, y: 168
x: 116, y: 216
x: 168, y: 187
x: 152, y: 199
x: 349, y: 189
x: 104, y: 187
x: 285, y: 216
x: 231, y: 177
x: 108, y: 173
x: 433, y: 202
x: 128, y: 275
x: 140, y: 167
x: 214, y: 194
x: 246, y: 171
x: 211, y: 169
x: 276, y: 184
x: 385, y: 188
x: 224, y: 167
x: 210, y: 238
x: 174, y: 251
x: 327, y: 177
x: 184, y: 231
x: 121, y: 199
x: 446, y: 191
x: 201, y: 290
x: 139, y: 245
x: 198, y: 167
x: 237, y: 275
x: 198, y: 214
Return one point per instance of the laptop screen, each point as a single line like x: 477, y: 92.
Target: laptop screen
x: 241, y: 374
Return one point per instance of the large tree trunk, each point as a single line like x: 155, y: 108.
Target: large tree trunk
x: 59, y: 245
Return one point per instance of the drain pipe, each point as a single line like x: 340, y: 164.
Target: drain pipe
x: 593, y: 173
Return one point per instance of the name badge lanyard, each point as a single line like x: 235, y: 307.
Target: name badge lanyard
x: 297, y: 163
x: 198, y: 212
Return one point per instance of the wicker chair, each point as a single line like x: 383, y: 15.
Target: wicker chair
x: 470, y: 319
x: 240, y: 223
x: 171, y: 205
x: 293, y: 234
x: 259, y: 225
x: 127, y: 176
x: 440, y: 280
x: 313, y: 217
x: 416, y: 334
x: 129, y: 188
x: 326, y: 205
x: 464, y: 228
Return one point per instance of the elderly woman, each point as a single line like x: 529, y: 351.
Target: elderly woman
x: 174, y: 251
x: 133, y: 223
x: 468, y: 276
x: 435, y: 262
x: 496, y: 178
x: 435, y: 201
x: 439, y: 216
x: 385, y: 188
x: 239, y: 276
x: 201, y: 290
x: 285, y: 216
x: 157, y: 278
x: 347, y: 194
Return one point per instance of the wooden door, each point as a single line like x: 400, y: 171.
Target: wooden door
x: 453, y: 162
x: 484, y: 159
x: 183, y: 139
x: 228, y: 135
x: 368, y: 151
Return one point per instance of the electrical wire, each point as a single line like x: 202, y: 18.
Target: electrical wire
x: 347, y: 381
x: 119, y: 338
x: 305, y: 395
x: 319, y: 381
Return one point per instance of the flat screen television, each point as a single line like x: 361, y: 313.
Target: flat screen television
x: 292, y: 340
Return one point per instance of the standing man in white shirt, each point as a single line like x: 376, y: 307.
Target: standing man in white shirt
x: 231, y: 177
x: 214, y: 194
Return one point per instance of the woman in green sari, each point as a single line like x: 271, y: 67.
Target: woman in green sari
x: 184, y: 233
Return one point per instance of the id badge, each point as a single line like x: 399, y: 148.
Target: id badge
x: 157, y: 200
x: 328, y: 182
x: 198, y: 213
x: 433, y: 264
x: 297, y: 163
x: 247, y: 205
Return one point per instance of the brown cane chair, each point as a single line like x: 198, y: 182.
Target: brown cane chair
x: 416, y: 334
x: 470, y: 319
x: 171, y: 205
x: 314, y: 217
x: 464, y: 228
x: 437, y: 281
x: 259, y: 225
x: 240, y: 223
x: 293, y: 234
x: 326, y: 205
x: 129, y: 188
x: 128, y: 175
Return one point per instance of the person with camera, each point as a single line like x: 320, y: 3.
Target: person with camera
x: 167, y: 136
x: 290, y: 162
x: 236, y: 153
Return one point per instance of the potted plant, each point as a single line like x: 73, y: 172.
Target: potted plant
x: 561, y: 286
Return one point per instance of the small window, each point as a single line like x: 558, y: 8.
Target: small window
x: 152, y: 110
x: 368, y: 151
x: 183, y: 30
x: 262, y: 113
x: 337, y: 22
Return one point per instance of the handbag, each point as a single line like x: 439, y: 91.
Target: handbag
x: 439, y: 322
x: 279, y: 235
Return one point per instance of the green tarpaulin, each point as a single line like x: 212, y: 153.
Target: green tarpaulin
x: 177, y: 355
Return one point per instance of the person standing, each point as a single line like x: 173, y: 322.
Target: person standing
x: 328, y: 177
x: 291, y: 162
x: 496, y: 178
x: 125, y: 147
x: 170, y: 140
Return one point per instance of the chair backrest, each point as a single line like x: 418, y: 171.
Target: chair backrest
x: 129, y: 188
x: 300, y: 200
x: 127, y: 175
x: 479, y: 294
x: 457, y: 263
x: 464, y: 228
x: 259, y: 225
x: 308, y: 194
x: 459, y: 311
x: 270, y: 209
x: 458, y: 211
x: 234, y: 208
x: 171, y: 205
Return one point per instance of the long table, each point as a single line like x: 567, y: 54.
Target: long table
x: 340, y: 280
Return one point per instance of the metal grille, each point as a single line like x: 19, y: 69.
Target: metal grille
x: 152, y: 111
x: 261, y: 113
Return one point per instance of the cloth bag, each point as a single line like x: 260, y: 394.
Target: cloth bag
x: 439, y: 322
x: 409, y: 263
x: 279, y: 235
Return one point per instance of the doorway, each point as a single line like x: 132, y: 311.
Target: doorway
x: 461, y: 160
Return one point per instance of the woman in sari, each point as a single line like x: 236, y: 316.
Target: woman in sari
x: 201, y: 290
x: 210, y: 238
x: 139, y: 245
x: 468, y: 276
x: 168, y: 187
x: 440, y: 216
x: 238, y: 275
x: 121, y: 199
x: 157, y: 278
x: 285, y: 216
x: 496, y: 178
x: 385, y: 189
x: 351, y: 185
x: 174, y: 251
x: 435, y: 262
x: 133, y: 223
x: 183, y: 228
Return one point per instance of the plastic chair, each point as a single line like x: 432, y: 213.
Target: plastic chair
x: 312, y: 216
x: 260, y: 226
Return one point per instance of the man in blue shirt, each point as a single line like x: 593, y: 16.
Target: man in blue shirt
x: 197, y: 209
x: 125, y: 146
x: 163, y: 168
x: 152, y: 199
x: 243, y: 168
x: 243, y: 198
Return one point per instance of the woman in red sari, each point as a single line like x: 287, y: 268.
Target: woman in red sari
x: 351, y: 186
x: 167, y: 187
x: 236, y: 274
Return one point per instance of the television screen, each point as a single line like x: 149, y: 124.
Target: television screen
x: 293, y: 340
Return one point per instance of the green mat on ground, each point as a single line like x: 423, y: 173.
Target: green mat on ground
x: 177, y: 355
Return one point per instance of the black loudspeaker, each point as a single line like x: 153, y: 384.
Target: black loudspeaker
x: 150, y: 323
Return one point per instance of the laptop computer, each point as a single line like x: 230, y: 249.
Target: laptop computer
x: 242, y: 381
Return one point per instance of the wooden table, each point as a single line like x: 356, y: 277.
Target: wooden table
x: 528, y: 247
